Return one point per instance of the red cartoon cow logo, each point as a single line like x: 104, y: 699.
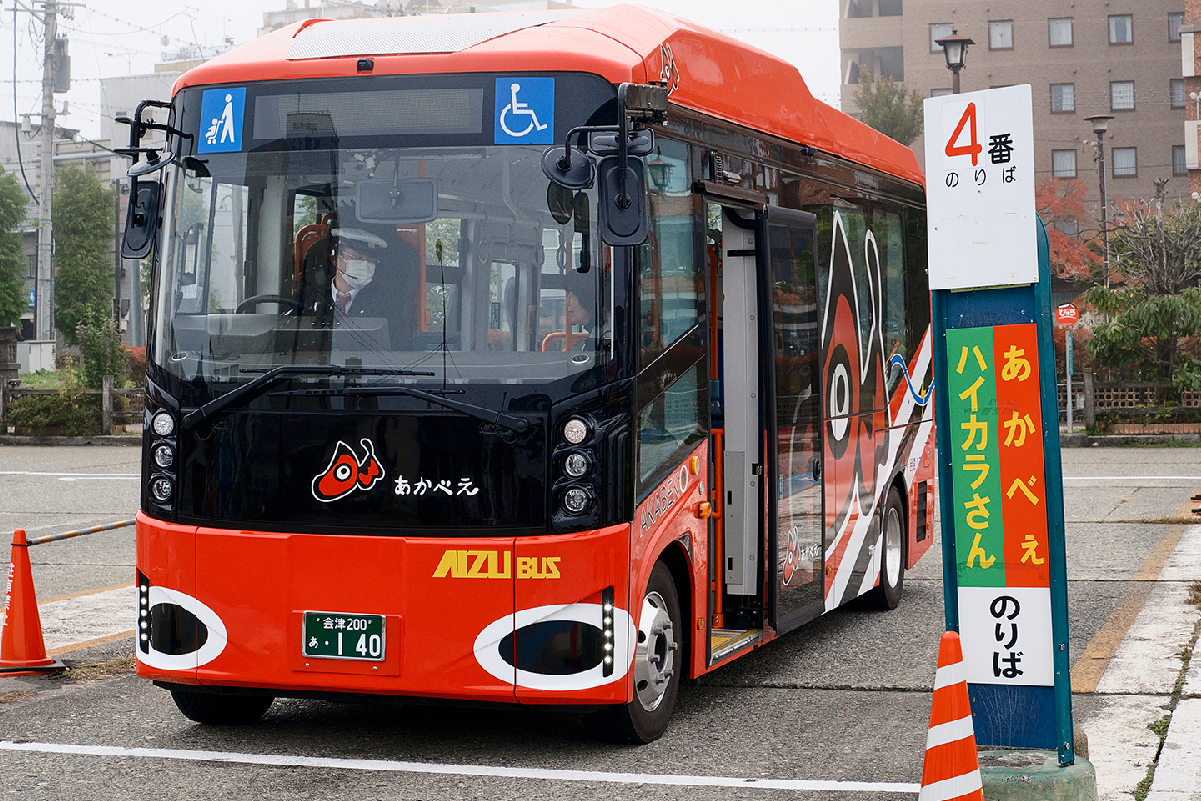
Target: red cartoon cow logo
x: 347, y: 472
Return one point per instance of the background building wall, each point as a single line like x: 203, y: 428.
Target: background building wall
x: 1090, y: 64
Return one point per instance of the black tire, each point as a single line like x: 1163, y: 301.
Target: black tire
x: 658, y: 660
x: 221, y: 710
x: 887, y: 594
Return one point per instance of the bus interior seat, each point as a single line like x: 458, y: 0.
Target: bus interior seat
x: 306, y: 237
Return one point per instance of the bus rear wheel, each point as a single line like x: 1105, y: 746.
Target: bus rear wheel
x: 887, y: 594
x: 221, y: 710
x: 658, y: 660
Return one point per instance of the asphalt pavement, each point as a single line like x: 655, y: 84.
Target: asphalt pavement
x: 835, y: 710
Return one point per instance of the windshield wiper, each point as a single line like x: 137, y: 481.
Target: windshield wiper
x: 252, y: 389
x: 479, y: 412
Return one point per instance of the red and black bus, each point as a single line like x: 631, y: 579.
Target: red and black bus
x: 634, y: 376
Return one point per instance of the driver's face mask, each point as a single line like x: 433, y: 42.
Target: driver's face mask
x: 357, y: 272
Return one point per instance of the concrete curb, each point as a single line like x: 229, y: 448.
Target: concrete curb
x: 99, y: 439
x: 1028, y: 775
x: 1119, y: 440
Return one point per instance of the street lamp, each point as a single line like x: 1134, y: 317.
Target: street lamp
x: 1100, y: 126
x: 954, y: 47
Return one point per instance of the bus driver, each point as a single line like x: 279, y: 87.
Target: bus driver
x: 354, y: 275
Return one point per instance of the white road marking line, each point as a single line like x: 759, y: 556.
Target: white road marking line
x: 75, y: 476
x: 1132, y: 478
x: 387, y: 765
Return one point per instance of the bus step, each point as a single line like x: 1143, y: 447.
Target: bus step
x: 723, y: 642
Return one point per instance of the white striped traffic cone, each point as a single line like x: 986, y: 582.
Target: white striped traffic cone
x: 951, y: 771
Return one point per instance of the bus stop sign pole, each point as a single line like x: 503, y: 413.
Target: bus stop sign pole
x: 1000, y: 477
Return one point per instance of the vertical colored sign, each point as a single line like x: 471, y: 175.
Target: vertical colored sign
x: 999, y: 496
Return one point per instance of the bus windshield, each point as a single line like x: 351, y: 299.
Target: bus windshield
x: 454, y: 265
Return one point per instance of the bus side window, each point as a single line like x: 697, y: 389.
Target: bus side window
x: 671, y: 424
x: 890, y: 242
x: 669, y: 278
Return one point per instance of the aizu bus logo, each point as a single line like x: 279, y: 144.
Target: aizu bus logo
x: 347, y: 473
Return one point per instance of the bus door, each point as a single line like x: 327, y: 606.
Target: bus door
x: 792, y: 417
x: 737, y: 440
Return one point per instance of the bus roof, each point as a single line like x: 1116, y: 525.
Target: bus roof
x: 706, y: 70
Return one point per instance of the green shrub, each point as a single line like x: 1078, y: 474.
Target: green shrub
x: 69, y: 412
x: 102, y: 351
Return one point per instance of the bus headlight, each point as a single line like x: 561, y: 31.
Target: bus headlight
x: 575, y: 431
x: 164, y: 455
x: 163, y: 424
x: 576, y: 500
x: 162, y: 488
x: 576, y: 464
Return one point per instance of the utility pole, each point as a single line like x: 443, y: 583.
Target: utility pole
x: 45, y: 281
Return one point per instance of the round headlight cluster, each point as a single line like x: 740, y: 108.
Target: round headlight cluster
x: 163, y: 461
x: 577, y: 459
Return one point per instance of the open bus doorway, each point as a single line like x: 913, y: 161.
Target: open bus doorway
x: 766, y: 419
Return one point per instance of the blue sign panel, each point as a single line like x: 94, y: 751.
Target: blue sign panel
x: 221, y: 115
x: 525, y: 111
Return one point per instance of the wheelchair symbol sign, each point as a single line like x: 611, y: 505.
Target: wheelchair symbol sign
x: 525, y: 111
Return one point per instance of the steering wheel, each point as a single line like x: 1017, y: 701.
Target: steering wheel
x: 254, y: 300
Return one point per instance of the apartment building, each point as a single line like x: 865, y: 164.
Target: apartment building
x: 1116, y: 57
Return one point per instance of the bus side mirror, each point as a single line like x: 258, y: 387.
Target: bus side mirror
x: 621, y: 205
x: 141, y: 219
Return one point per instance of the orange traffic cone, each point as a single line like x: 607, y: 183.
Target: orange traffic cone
x: 22, y: 649
x: 952, y: 769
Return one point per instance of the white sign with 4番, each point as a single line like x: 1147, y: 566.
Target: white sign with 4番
x: 980, y: 189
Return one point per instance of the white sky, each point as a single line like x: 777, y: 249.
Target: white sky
x: 111, y: 38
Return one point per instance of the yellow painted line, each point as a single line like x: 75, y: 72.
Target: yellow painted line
x: 86, y: 592
x: 1094, y: 661
x: 79, y: 646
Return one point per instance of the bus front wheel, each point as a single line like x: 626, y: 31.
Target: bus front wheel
x: 658, y: 660
x: 887, y: 594
x: 221, y: 710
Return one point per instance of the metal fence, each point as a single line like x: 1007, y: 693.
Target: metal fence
x: 109, y: 415
x: 1131, y: 406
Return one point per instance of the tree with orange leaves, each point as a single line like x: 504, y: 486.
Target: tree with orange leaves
x: 1070, y: 231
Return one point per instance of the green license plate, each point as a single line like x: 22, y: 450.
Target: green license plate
x: 339, y: 635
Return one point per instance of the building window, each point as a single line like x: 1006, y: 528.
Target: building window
x: 937, y: 31
x: 1179, y: 162
x: 1125, y: 162
x: 33, y: 266
x: 1121, y: 29
x: 1121, y: 96
x: 1060, y: 32
x: 1175, y: 20
x: 1063, y: 163
x: 940, y: 92
x: 859, y: 9
x: 1000, y: 35
x: 1176, y: 92
x: 1063, y: 98
x: 891, y: 8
